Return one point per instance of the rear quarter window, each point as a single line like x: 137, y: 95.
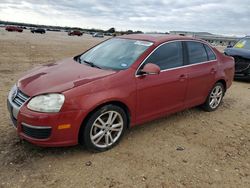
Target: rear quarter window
x: 210, y: 53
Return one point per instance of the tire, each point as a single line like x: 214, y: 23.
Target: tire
x: 104, y: 128
x: 214, y: 98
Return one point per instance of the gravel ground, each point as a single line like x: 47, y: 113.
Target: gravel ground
x: 188, y: 149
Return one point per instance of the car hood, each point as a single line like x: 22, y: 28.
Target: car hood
x: 60, y: 76
x: 238, y: 52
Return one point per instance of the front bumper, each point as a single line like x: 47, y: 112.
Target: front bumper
x: 12, y: 110
x: 242, y: 70
x: 42, y: 128
x: 245, y: 77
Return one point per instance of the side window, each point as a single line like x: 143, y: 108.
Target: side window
x: 167, y: 56
x: 210, y: 53
x: 196, y: 52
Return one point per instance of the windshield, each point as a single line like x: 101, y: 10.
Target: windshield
x: 116, y: 54
x: 243, y: 43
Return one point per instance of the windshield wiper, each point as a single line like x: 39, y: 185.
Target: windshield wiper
x: 91, y: 64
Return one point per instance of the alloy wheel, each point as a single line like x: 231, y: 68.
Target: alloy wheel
x: 106, y: 129
x: 216, y: 97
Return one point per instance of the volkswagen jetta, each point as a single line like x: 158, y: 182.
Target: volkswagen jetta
x: 122, y: 82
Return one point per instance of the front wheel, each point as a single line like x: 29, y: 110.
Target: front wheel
x: 104, y: 128
x: 214, y: 98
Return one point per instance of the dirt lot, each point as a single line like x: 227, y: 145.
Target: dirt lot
x: 214, y: 148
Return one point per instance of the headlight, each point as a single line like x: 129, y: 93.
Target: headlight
x: 47, y: 103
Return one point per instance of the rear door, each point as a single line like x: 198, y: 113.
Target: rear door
x: 163, y: 93
x: 202, y: 68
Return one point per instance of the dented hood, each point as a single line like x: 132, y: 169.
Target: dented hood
x: 245, y: 53
x: 59, y: 77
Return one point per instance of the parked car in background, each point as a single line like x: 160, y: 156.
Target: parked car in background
x: 13, y: 28
x: 241, y: 53
x: 94, y: 97
x: 73, y: 33
x: 101, y: 35
x: 38, y: 30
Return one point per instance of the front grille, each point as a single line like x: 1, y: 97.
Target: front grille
x: 20, y: 98
x: 38, y: 133
x: 241, y: 64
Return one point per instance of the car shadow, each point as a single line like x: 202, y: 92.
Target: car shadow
x: 22, y: 152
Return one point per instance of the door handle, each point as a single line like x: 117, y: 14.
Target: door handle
x: 183, y: 77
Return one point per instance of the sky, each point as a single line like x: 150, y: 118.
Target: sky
x: 229, y: 17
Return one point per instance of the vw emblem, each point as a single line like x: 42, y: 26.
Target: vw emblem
x: 14, y: 94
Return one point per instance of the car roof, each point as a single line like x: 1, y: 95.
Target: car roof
x: 157, y: 38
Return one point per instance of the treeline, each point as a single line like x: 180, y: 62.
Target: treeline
x: 61, y: 28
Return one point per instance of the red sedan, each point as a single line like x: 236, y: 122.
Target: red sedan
x: 122, y: 82
x: 13, y: 28
x: 73, y: 33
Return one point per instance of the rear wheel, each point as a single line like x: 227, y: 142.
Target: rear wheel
x: 214, y: 98
x: 104, y: 128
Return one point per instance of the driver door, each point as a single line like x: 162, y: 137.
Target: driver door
x: 164, y: 93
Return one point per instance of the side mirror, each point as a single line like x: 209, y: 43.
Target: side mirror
x: 150, y: 69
